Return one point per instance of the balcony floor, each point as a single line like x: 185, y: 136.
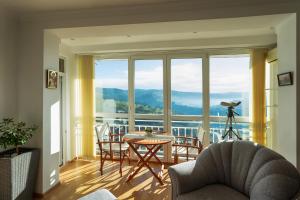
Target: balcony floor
x: 80, y: 177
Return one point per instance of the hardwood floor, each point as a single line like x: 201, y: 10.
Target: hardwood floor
x: 80, y: 178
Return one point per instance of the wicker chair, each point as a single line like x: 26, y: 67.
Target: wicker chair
x: 188, y: 147
x: 111, y: 144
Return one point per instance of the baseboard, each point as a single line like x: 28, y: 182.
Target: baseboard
x: 42, y: 195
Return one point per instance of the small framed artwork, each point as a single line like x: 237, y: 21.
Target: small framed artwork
x: 52, y: 78
x: 285, y: 79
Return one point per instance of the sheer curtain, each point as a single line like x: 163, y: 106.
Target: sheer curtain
x: 258, y: 96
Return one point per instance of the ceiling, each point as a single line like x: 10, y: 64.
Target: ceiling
x: 55, y: 5
x: 29, y: 6
x: 172, y: 31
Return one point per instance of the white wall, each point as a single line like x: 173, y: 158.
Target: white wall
x: 287, y: 101
x: 38, y: 51
x: 30, y: 75
x: 69, y: 57
x: 51, y: 115
x: 8, y: 54
x: 34, y: 57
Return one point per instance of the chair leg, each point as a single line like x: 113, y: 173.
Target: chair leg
x: 121, y: 161
x: 176, y: 158
x: 187, y: 154
x: 102, y: 164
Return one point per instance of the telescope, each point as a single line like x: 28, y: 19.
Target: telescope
x: 230, y: 120
x: 230, y: 104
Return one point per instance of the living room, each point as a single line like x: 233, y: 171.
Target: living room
x: 193, y: 32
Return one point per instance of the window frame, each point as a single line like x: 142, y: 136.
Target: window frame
x: 166, y: 57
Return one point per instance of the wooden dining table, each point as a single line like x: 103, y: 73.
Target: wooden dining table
x: 153, y: 144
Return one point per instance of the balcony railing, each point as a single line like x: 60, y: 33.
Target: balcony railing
x: 179, y: 128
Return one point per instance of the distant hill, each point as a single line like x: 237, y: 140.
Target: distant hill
x: 183, y: 103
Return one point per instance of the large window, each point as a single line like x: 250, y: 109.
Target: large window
x: 175, y: 94
x: 229, y: 82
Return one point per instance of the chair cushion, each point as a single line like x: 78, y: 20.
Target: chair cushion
x: 115, y: 147
x: 214, y: 192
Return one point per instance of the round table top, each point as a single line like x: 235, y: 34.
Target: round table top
x: 146, y: 141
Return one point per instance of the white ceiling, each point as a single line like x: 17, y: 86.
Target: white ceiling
x: 170, y: 31
x: 51, y: 5
x: 29, y: 6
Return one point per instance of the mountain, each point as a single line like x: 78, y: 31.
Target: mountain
x: 183, y: 103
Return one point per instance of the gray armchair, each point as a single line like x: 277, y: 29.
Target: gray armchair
x: 235, y: 171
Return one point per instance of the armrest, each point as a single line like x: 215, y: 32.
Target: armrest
x: 117, y: 134
x: 182, y: 178
x: 193, y: 175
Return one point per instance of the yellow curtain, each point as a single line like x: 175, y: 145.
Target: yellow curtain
x: 86, y: 93
x: 258, y: 96
x: 72, y: 83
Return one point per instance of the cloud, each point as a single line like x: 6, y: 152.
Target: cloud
x: 186, y: 77
x: 226, y: 75
x: 149, y: 77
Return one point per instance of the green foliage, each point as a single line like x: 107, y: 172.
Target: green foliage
x: 148, y: 130
x: 146, y: 109
x: 14, y: 133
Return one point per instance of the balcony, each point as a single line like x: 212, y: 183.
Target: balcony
x: 188, y: 128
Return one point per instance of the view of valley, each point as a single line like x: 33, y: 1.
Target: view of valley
x: 113, y: 100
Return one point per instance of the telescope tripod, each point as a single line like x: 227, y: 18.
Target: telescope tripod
x: 230, y: 132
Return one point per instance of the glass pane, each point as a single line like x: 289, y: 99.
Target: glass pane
x: 229, y: 82
x: 111, y: 83
x: 149, y: 87
x: 186, y: 86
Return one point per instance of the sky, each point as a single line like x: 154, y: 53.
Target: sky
x: 226, y: 74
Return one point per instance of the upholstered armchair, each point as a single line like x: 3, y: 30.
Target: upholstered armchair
x: 235, y: 171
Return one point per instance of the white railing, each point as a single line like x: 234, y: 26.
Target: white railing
x: 116, y: 128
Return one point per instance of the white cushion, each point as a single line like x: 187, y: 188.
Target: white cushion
x: 115, y: 147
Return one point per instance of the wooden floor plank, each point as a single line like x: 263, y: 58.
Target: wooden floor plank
x: 80, y: 178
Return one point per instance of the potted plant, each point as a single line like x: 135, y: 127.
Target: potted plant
x: 148, y: 131
x: 18, y: 165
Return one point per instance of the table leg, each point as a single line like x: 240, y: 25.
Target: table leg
x: 145, y: 161
x: 154, y: 155
x: 145, y: 155
x: 141, y: 161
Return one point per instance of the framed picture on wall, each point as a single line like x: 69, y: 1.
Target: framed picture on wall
x: 285, y: 79
x: 51, y: 80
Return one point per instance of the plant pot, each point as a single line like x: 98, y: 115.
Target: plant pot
x: 18, y: 175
